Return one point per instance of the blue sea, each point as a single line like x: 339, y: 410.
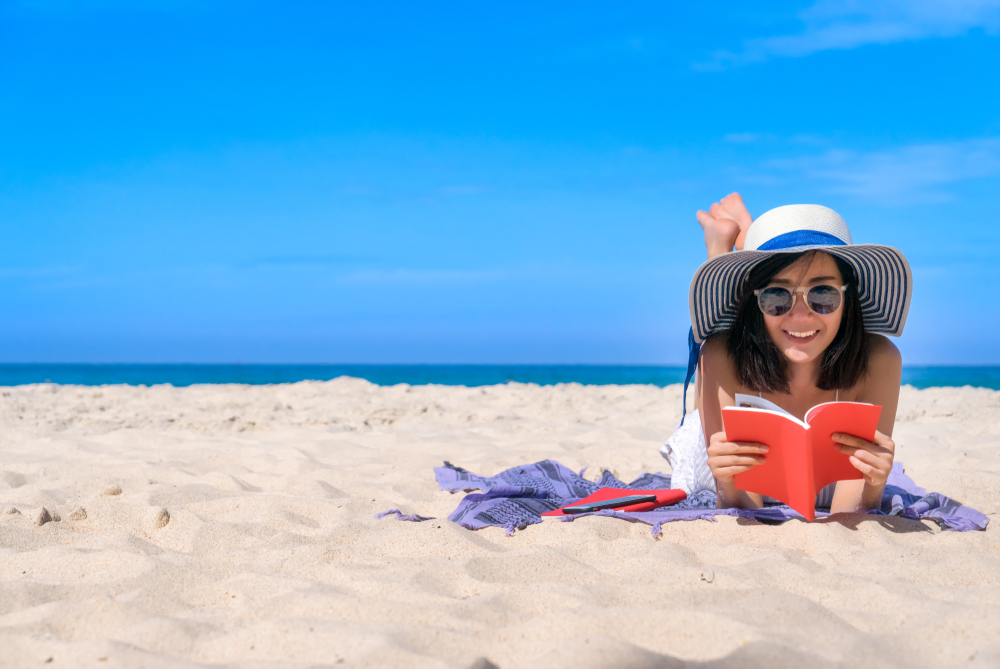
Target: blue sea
x: 451, y: 375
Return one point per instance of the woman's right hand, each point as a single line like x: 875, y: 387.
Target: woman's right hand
x: 726, y: 459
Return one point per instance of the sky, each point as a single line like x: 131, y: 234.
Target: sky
x: 466, y: 182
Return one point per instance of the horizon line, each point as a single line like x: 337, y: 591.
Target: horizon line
x: 433, y: 364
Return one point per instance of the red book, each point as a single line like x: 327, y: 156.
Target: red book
x: 663, y: 498
x: 801, y: 457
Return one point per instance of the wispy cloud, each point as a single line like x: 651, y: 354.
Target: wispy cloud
x: 846, y: 24
x: 902, y: 176
x: 44, y: 272
x: 324, y: 271
x: 413, y: 277
x: 307, y: 260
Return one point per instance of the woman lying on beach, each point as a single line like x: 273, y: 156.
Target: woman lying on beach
x: 792, y: 316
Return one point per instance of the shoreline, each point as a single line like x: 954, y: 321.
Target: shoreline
x: 182, y: 375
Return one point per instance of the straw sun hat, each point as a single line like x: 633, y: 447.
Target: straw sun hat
x: 885, y: 283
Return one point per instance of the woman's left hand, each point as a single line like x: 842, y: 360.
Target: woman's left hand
x: 872, y: 459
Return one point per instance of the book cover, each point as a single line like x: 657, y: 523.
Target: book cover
x: 801, y: 457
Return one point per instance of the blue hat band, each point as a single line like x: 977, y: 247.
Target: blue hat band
x: 796, y: 238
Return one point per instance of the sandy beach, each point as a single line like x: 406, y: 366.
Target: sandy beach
x: 235, y: 526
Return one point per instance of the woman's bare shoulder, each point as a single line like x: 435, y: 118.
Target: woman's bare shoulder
x: 883, y: 356
x: 715, y: 362
x: 885, y: 366
x: 713, y: 350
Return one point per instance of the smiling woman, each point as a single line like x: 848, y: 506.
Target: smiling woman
x: 773, y: 325
x: 795, y: 318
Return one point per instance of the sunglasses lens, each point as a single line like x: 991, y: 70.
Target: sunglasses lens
x: 775, y: 301
x: 824, y: 299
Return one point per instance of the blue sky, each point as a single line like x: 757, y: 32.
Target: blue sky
x: 471, y: 182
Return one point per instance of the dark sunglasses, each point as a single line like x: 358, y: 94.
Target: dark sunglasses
x: 778, y: 300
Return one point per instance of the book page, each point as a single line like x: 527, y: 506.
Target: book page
x: 819, y: 407
x: 752, y: 402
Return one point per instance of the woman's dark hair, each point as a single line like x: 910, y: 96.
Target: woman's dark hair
x: 761, y: 367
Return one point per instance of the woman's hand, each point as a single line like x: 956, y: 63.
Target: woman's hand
x: 872, y: 459
x: 726, y: 459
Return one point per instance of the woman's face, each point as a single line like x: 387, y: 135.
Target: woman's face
x: 801, y: 334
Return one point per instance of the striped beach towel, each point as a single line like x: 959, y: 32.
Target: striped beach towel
x: 516, y: 498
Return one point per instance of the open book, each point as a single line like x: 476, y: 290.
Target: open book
x: 801, y: 457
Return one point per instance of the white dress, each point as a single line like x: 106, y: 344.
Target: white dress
x: 687, y: 454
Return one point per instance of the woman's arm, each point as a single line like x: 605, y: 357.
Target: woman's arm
x: 872, y: 458
x: 725, y: 459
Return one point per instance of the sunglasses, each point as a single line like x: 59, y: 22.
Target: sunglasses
x: 778, y: 300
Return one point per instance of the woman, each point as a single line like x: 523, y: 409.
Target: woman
x: 794, y: 318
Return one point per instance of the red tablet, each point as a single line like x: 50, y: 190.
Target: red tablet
x: 663, y: 498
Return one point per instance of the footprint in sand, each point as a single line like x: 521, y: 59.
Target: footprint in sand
x: 158, y: 517
x: 483, y: 663
x: 79, y: 513
x: 12, y: 480
x: 112, y: 489
x: 329, y: 491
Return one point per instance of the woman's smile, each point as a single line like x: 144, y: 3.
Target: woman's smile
x: 800, y: 342
x: 802, y: 336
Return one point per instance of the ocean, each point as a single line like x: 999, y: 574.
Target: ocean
x: 451, y: 375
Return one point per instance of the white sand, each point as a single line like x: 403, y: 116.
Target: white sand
x: 244, y: 534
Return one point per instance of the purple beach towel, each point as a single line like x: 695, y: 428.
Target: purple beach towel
x: 516, y: 498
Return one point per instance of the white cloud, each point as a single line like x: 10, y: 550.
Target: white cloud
x: 906, y: 175
x: 846, y: 24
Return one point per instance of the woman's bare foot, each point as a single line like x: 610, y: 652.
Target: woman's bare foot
x: 725, y: 225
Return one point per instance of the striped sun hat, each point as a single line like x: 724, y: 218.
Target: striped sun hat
x: 885, y: 283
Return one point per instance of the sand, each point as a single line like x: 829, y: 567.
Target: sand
x: 235, y: 526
